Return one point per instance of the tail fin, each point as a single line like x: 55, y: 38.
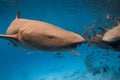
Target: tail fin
x: 18, y: 15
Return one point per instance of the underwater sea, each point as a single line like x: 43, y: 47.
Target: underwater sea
x: 92, y: 63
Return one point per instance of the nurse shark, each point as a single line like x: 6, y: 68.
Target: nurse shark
x: 40, y: 36
x: 110, y: 38
x: 113, y: 34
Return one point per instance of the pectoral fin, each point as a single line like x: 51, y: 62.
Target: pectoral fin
x: 11, y: 38
x: 8, y: 37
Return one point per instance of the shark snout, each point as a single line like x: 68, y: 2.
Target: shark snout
x: 83, y: 39
x: 106, y: 39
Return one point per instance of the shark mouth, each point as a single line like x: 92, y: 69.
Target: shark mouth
x: 115, y: 45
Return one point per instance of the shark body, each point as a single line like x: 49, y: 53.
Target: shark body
x: 41, y: 36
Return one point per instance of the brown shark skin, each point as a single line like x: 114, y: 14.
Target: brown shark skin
x: 43, y: 36
x: 112, y: 35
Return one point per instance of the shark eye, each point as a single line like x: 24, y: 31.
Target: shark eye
x: 50, y: 37
x: 115, y: 38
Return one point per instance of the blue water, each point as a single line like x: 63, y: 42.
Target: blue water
x: 94, y: 63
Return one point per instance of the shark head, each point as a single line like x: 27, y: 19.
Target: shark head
x: 112, y: 35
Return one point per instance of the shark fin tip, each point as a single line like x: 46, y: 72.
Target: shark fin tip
x: 18, y: 15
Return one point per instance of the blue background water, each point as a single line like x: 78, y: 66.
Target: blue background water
x: 92, y: 64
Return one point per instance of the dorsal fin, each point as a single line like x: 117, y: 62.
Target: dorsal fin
x: 103, y: 29
x: 118, y: 21
x: 18, y: 15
